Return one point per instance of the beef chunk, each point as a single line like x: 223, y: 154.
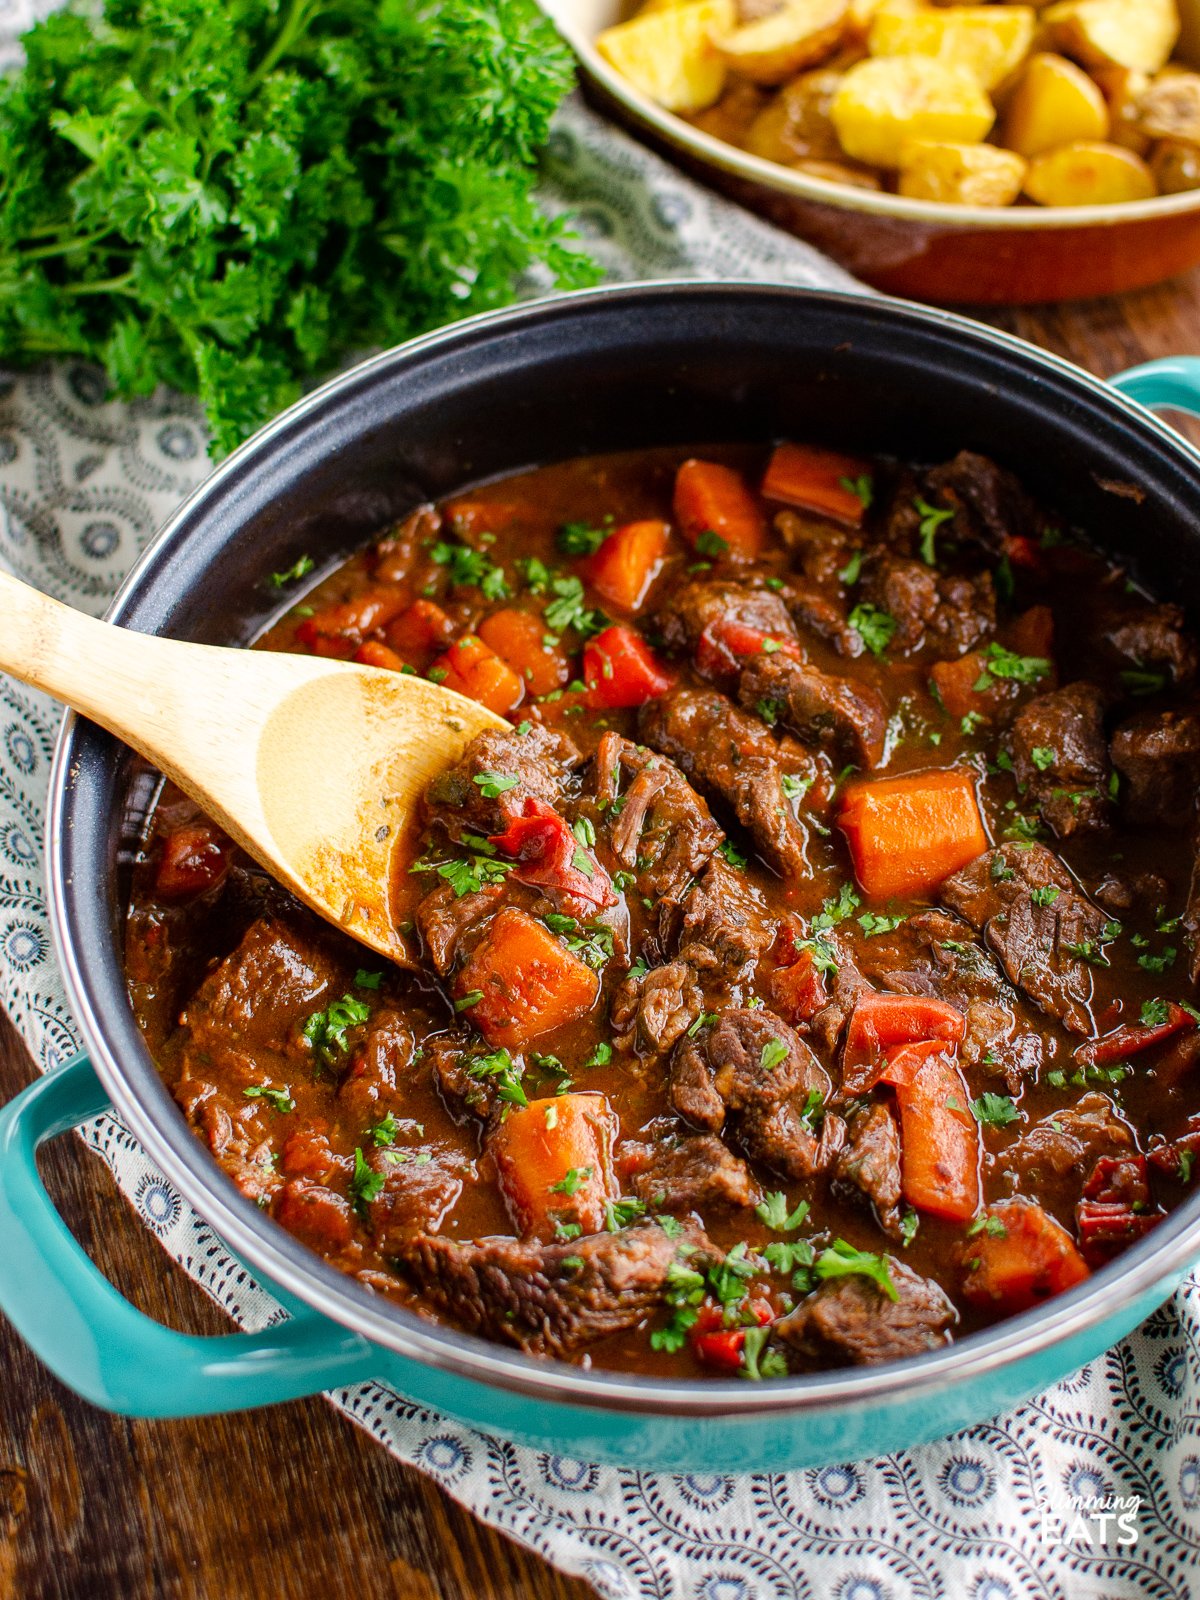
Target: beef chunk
x: 870, y: 1160
x: 663, y: 830
x: 549, y: 1299
x: 541, y: 760
x: 416, y: 1196
x: 820, y: 709
x: 658, y: 1007
x: 1060, y: 756
x: 736, y: 762
x: 1155, y: 639
x: 1121, y: 892
x: 1067, y: 1144
x: 851, y: 1322
x: 443, y: 918
x: 1157, y: 754
x: 691, y: 609
x: 816, y: 612
x: 732, y: 1074
x: 995, y: 1043
x: 698, y: 1173
x: 935, y: 954
x: 781, y: 1136
x: 722, y: 926
x: 250, y: 1001
x: 949, y: 614
x: 1030, y: 912
x: 818, y: 549
x: 318, y: 1216
x: 845, y: 986
x: 377, y: 1064
x: 990, y: 506
x: 448, y: 1055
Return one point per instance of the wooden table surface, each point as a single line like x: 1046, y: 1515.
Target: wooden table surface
x: 294, y: 1502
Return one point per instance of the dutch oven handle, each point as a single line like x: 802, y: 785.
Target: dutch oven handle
x: 93, y: 1339
x: 1172, y: 384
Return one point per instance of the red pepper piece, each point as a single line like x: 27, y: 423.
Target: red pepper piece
x: 620, y: 670
x: 193, y: 859
x: 1115, y: 1208
x: 719, y: 1346
x: 1133, y: 1038
x: 548, y: 855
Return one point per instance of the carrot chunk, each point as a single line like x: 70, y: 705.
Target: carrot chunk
x: 1019, y: 1258
x: 424, y: 626
x: 907, y: 834
x: 521, y: 982
x: 881, y: 1022
x: 939, y: 1140
x: 625, y: 566
x: 715, y: 500
x: 817, y: 480
x: 798, y: 991
x: 519, y: 638
x: 338, y: 630
x: 376, y: 654
x: 471, y: 669
x: 554, y: 1158
x: 620, y: 669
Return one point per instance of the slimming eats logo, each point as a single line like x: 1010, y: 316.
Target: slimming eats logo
x: 1091, y: 1521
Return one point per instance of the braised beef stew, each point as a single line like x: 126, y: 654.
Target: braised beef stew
x: 805, y: 979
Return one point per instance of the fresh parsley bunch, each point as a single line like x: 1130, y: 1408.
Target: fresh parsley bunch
x: 231, y: 197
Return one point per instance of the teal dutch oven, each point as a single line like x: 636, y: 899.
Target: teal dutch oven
x: 611, y: 369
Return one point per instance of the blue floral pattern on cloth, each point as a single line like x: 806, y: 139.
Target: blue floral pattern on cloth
x: 83, y: 484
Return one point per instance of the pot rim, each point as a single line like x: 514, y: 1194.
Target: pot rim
x: 933, y: 214
x: 1150, y: 1264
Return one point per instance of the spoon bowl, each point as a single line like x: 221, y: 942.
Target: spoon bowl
x: 314, y: 767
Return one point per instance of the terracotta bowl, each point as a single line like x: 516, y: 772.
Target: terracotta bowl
x: 952, y: 255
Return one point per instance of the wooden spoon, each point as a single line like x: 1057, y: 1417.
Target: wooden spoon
x: 314, y: 767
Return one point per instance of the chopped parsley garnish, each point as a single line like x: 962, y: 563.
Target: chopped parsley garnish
x: 499, y: 1068
x: 1159, y: 963
x: 365, y: 1185
x: 794, y: 786
x: 872, y: 923
x: 706, y: 1019
x: 773, y: 1213
x: 711, y: 544
x: 1002, y: 663
x: 971, y: 722
x: 471, y: 568
x: 1046, y: 895
x: 466, y: 1001
x: 995, y: 1110
x: 591, y: 942
x: 580, y: 538
x: 990, y: 1225
x: 731, y: 853
x: 1138, y: 681
x: 325, y: 1031
x: 931, y: 521
x: 909, y: 1223
x: 1155, y: 1013
x: 367, y: 980
x: 851, y: 572
x: 683, y: 1292
x: 773, y: 1052
x: 792, y: 1255
x: 601, y: 1055
x: 300, y: 569
x: 1043, y: 757
x: 622, y: 1213
x: 384, y: 1132
x: 768, y: 710
x: 837, y: 908
x: 572, y: 1182
x: 874, y: 627
x: 467, y: 876
x: 280, y: 1099
x: 842, y: 1260
x: 493, y: 784
x: 567, y: 610
x: 757, y: 1361
x: 862, y: 488
x: 564, y: 1231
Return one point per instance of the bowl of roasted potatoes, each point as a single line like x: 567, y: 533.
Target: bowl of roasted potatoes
x: 963, y: 154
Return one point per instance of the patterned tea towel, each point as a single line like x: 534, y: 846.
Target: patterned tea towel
x: 83, y: 485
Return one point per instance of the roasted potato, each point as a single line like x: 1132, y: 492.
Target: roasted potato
x: 1139, y: 34
x: 886, y: 100
x: 1170, y: 108
x: 798, y: 35
x: 796, y: 125
x: 960, y: 174
x: 1088, y: 174
x: 1053, y: 102
x: 669, y: 54
x: 991, y: 41
x: 860, y: 14
x: 1176, y: 166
